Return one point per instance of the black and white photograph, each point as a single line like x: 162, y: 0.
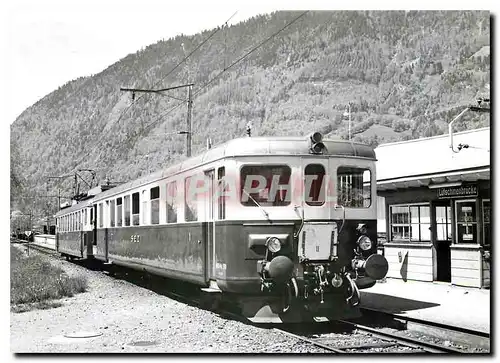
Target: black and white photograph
x: 239, y: 178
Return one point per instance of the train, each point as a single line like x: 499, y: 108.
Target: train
x: 282, y: 227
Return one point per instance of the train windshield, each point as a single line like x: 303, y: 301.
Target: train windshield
x: 353, y: 187
x: 265, y: 185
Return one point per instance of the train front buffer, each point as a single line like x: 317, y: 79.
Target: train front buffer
x: 328, y: 268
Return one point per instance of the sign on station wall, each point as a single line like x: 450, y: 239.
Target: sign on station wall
x: 458, y: 191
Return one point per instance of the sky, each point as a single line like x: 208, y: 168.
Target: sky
x: 46, y: 43
x: 49, y: 43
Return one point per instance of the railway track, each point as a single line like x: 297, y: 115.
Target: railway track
x: 360, y: 339
x: 409, y: 319
x: 364, y: 339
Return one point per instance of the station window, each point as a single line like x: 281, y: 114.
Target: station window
x: 100, y: 216
x: 135, y: 209
x: 314, y: 189
x: 353, y: 187
x: 119, y: 214
x: 112, y: 213
x: 171, y: 202
x: 126, y: 210
x: 443, y: 223
x: 265, y: 185
x: 410, y: 223
x: 155, y: 205
x: 466, y: 221
x: 222, y: 188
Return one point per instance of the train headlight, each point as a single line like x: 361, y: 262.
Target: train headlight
x: 273, y: 244
x: 365, y: 243
x: 336, y: 280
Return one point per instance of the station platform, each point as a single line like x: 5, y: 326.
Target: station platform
x: 432, y: 301
x: 46, y: 241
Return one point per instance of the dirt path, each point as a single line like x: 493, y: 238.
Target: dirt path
x: 130, y: 318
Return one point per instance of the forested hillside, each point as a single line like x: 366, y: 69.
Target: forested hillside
x: 406, y: 75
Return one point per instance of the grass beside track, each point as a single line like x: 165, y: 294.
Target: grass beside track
x: 35, y: 282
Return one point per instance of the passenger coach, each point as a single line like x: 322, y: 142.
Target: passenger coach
x: 283, y: 226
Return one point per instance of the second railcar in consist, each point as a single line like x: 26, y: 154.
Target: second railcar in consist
x: 285, y: 227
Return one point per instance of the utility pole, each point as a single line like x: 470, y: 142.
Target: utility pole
x: 188, y: 131
x: 189, y: 123
x: 349, y: 114
x: 349, y: 120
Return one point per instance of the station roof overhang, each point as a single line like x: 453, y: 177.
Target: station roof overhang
x: 436, y: 180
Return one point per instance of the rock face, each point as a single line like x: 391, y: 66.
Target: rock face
x: 406, y: 74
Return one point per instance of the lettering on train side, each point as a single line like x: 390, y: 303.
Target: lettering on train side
x: 135, y: 238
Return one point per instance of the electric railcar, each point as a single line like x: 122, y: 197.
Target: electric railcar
x: 285, y: 227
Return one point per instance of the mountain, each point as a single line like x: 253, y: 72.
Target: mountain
x: 405, y: 73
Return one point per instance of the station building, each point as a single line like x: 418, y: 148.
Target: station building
x: 434, y: 207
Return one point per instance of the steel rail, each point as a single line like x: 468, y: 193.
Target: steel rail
x: 435, y: 324
x: 411, y: 342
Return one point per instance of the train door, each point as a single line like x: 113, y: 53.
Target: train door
x: 210, y: 208
x: 319, y: 232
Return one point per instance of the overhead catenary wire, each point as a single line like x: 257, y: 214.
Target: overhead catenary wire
x: 161, y: 79
x: 206, y: 84
x: 249, y: 52
x: 177, y: 66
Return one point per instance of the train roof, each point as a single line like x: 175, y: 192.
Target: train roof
x: 250, y: 146
x: 75, y: 207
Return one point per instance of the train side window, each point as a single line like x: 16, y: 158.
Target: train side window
x: 190, y: 200
x: 314, y: 189
x: 135, y: 209
x: 79, y: 219
x: 354, y: 187
x: 221, y: 172
x: 119, y: 214
x: 91, y: 215
x: 171, y: 202
x: 112, y: 213
x: 106, y: 214
x: 126, y: 210
x: 155, y: 205
x: 100, y: 216
x: 144, y: 198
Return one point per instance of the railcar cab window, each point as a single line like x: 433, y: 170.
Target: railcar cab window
x: 135, y: 209
x: 119, y: 214
x: 267, y: 185
x: 171, y: 202
x: 155, y: 205
x: 314, y: 189
x: 354, y: 187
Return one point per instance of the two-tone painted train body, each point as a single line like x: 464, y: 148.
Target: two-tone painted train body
x: 284, y: 226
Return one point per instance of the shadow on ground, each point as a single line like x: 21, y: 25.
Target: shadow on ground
x: 392, y: 304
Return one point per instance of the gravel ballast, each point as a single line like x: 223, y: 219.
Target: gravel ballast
x: 123, y: 317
